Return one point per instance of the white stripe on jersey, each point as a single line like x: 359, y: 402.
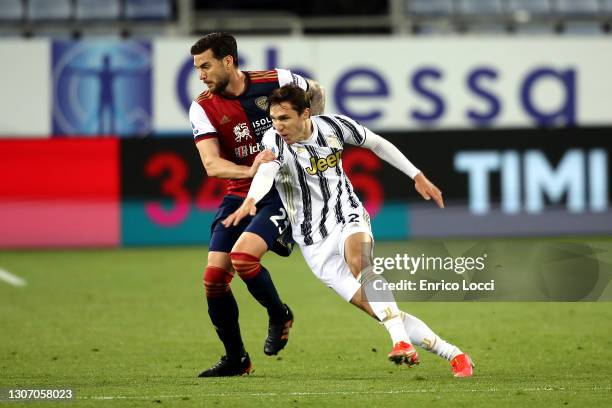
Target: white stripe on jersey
x: 316, y: 192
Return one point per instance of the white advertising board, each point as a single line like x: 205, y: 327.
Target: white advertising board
x: 25, y: 99
x: 408, y: 83
x: 387, y: 83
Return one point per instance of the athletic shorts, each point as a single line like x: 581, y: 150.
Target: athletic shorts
x: 326, y: 257
x: 269, y: 222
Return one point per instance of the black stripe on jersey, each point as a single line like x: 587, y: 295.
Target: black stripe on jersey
x: 321, y: 140
x: 325, y: 190
x: 338, y: 207
x: 364, y: 134
x: 359, y: 139
x: 306, y: 227
x: 281, y: 147
x: 296, y: 81
x: 336, y: 128
x: 349, y: 190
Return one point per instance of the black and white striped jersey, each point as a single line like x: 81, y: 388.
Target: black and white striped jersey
x: 316, y: 192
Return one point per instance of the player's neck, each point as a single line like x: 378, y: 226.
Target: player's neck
x: 307, y: 131
x: 237, y: 83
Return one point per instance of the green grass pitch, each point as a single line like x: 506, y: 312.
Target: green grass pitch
x: 129, y: 328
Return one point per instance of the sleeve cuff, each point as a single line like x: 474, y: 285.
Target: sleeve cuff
x: 205, y: 136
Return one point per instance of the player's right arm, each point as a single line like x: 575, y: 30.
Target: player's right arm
x: 207, y: 142
x: 217, y: 166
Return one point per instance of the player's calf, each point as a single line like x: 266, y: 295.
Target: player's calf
x: 223, y: 310
x: 260, y: 285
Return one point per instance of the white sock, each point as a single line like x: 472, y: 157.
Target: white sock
x: 384, y: 306
x: 397, y: 331
x: 421, y: 335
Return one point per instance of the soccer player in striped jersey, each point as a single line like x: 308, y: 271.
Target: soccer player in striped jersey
x: 329, y: 222
x: 228, y: 121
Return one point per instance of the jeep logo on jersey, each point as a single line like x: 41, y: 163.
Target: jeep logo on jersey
x: 241, y: 131
x: 323, y: 164
x: 243, y: 151
x: 262, y: 103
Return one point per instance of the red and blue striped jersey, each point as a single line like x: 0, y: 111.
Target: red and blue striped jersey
x: 240, y: 122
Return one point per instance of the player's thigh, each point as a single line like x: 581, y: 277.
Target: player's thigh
x: 219, y: 260
x: 327, y: 264
x: 268, y: 224
x: 224, y: 238
x: 356, y: 241
x: 358, y: 251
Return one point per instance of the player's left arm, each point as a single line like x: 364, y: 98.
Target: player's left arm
x: 392, y: 155
x: 313, y: 89
x: 317, y: 97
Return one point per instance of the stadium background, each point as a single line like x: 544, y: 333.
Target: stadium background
x: 505, y: 104
x: 474, y: 108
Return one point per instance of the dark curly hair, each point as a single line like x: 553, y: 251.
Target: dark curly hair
x: 221, y: 44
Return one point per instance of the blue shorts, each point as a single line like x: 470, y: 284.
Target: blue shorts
x: 269, y: 223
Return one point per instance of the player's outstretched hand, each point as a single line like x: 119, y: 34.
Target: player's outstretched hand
x: 265, y: 156
x: 247, y: 208
x: 427, y: 189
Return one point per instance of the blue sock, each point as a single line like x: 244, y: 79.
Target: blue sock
x: 223, y: 312
x: 259, y: 283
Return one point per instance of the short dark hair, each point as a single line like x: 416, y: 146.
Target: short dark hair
x: 296, y: 96
x: 221, y: 44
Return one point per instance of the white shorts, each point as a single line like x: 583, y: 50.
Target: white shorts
x: 326, y: 257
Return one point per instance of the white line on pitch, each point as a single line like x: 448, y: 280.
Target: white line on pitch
x: 319, y: 393
x: 11, y: 279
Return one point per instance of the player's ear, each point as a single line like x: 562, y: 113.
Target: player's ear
x: 306, y: 113
x: 228, y: 61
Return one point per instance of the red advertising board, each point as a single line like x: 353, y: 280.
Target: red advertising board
x: 59, y: 192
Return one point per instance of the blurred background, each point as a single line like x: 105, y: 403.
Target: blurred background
x: 505, y: 104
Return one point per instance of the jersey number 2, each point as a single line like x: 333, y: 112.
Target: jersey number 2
x: 280, y: 221
x: 353, y: 217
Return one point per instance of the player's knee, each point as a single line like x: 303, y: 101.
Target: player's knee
x: 245, y: 264
x: 250, y: 243
x: 219, y: 259
x: 216, y: 281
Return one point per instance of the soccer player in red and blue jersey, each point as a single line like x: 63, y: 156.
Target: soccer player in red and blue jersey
x: 228, y: 121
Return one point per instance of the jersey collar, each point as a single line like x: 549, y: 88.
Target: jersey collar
x: 247, y: 86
